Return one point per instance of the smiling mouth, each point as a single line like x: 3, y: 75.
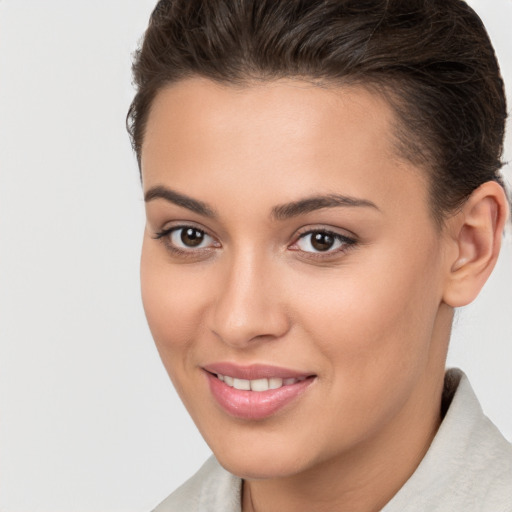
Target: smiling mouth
x: 255, y: 392
x: 258, y: 385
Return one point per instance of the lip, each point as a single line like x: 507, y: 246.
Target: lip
x: 254, y: 371
x: 254, y: 405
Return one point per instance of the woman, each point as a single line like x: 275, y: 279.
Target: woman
x: 322, y: 190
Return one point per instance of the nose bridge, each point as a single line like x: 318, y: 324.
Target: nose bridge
x: 247, y: 305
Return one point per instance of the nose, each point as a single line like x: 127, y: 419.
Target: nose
x: 248, y: 306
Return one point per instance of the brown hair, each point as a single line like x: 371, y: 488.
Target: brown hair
x: 432, y: 59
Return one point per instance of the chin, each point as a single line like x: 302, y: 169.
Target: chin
x: 260, y: 463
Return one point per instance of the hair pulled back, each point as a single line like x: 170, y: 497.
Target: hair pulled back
x: 431, y: 59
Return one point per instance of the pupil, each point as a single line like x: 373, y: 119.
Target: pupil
x: 192, y: 237
x: 322, y: 241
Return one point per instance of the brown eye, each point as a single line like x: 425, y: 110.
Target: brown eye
x: 188, y: 238
x: 322, y: 241
x: 191, y: 237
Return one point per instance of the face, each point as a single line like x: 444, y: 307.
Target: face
x: 292, y: 275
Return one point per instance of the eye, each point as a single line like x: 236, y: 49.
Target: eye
x: 186, y: 239
x: 189, y: 238
x: 322, y: 241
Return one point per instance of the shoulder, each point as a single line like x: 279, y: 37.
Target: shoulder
x: 468, y: 465
x: 211, y: 489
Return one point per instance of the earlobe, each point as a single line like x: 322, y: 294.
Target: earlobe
x: 477, y: 232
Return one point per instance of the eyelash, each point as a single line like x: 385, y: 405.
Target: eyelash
x: 165, y: 237
x: 345, y: 242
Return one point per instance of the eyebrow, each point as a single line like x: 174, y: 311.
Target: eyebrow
x: 280, y: 212
x: 161, y: 192
x: 310, y: 204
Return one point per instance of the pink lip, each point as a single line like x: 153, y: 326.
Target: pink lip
x: 254, y: 371
x: 254, y: 405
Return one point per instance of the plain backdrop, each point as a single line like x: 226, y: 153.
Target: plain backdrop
x: 88, y: 419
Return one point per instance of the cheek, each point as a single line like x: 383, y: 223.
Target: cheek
x: 174, y: 306
x: 172, y: 300
x: 374, y: 331
x: 375, y: 318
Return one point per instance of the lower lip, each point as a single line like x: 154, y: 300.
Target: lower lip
x: 254, y: 405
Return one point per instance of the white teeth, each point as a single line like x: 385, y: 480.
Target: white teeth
x: 275, y: 383
x: 258, y: 384
x: 242, y: 384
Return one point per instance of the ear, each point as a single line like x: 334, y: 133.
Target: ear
x: 477, y: 231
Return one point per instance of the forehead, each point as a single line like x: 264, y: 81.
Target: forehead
x: 288, y: 136
x: 203, y: 111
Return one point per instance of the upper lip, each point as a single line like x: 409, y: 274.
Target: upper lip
x: 254, y: 371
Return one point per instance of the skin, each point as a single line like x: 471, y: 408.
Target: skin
x: 370, y: 319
